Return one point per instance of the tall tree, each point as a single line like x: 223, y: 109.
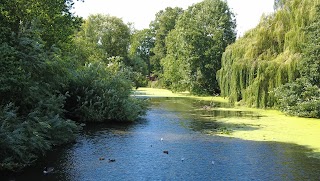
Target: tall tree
x: 267, y: 56
x: 310, y: 65
x: 141, y: 44
x: 302, y: 97
x: 53, y: 19
x: 106, y: 34
x: 164, y: 22
x: 196, y: 45
x: 30, y: 33
x: 33, y: 75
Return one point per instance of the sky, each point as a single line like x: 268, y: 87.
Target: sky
x: 142, y: 12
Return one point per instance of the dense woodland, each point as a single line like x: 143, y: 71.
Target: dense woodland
x: 58, y: 70
x: 274, y: 65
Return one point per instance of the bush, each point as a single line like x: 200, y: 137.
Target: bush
x: 99, y: 93
x: 31, y: 105
x: 24, y: 138
x: 299, y: 98
x: 42, y: 84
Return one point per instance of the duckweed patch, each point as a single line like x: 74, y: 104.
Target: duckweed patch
x: 259, y: 125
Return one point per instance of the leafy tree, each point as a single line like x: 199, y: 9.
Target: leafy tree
x: 302, y: 97
x: 141, y: 44
x: 55, y: 22
x: 32, y: 79
x: 105, y: 35
x: 164, y: 22
x: 267, y: 56
x: 41, y: 79
x: 196, y: 45
x: 310, y: 65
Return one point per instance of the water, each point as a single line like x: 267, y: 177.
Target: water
x: 138, y: 150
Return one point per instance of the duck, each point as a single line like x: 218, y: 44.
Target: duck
x: 48, y: 170
x: 112, y: 160
x: 166, y: 151
x: 101, y: 158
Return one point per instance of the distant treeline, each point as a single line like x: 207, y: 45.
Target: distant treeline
x: 276, y: 64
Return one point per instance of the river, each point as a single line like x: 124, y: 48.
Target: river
x: 172, y: 143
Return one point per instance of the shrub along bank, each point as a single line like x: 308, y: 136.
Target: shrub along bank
x: 47, y: 85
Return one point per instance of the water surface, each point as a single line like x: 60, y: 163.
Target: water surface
x: 179, y: 126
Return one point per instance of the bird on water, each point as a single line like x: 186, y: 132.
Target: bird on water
x: 48, y: 170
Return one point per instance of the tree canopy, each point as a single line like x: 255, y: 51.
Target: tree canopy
x: 195, y: 46
x: 53, y: 19
x: 48, y: 81
x: 142, y: 41
x: 272, y: 54
x: 302, y: 96
x: 164, y: 22
x: 109, y: 34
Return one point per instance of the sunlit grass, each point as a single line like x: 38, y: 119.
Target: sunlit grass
x: 271, y: 125
x: 152, y: 92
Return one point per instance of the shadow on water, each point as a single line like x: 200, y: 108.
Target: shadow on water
x: 175, y: 126
x: 203, y: 115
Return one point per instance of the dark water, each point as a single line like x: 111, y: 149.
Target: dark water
x: 192, y: 154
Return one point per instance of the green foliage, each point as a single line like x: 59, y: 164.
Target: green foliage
x: 138, y: 71
x: 98, y: 94
x: 54, y: 20
x: 140, y: 48
x: 195, y: 47
x: 31, y: 109
x: 26, y: 138
x: 310, y: 65
x: 302, y: 97
x: 164, y: 22
x: 104, y: 35
x: 268, y: 56
x: 42, y: 77
x: 299, y: 98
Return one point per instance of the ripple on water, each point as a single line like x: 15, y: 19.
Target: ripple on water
x: 192, y: 155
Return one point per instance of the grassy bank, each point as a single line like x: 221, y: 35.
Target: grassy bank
x: 270, y: 126
x: 152, y: 92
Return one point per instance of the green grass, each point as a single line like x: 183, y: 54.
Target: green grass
x: 153, y: 92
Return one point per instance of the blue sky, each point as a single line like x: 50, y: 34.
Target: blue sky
x: 142, y: 12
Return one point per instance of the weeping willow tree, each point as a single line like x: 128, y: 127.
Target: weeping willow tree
x: 267, y: 56
x: 302, y: 97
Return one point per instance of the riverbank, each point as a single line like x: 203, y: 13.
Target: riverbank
x: 153, y: 92
x: 271, y: 125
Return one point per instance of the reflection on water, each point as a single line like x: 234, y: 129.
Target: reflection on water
x: 138, y: 150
